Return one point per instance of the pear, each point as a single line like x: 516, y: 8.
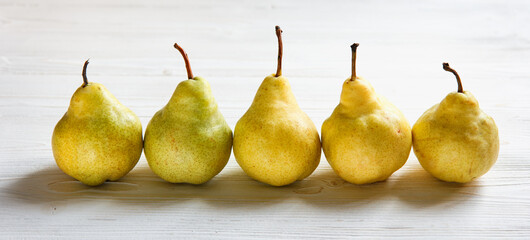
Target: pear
x: 97, y: 139
x: 366, y: 138
x: 455, y: 141
x: 188, y: 140
x: 275, y: 142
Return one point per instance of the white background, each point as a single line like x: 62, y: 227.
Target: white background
x: 232, y: 44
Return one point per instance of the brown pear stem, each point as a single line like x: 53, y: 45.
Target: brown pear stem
x: 353, y: 59
x: 85, y: 79
x: 186, y: 60
x: 280, y: 51
x: 449, y: 69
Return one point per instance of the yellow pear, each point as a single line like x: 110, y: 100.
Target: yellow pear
x: 366, y: 138
x: 188, y: 140
x: 275, y: 142
x: 97, y: 139
x: 455, y: 141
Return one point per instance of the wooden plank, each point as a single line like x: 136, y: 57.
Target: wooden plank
x: 232, y: 44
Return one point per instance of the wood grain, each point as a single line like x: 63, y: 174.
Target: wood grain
x: 232, y: 44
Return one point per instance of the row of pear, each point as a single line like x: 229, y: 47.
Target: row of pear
x: 365, y: 140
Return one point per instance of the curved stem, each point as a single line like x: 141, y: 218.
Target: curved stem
x: 449, y: 69
x: 280, y: 51
x: 353, y: 59
x: 85, y: 79
x: 186, y: 60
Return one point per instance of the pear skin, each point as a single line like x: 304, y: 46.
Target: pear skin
x: 366, y: 138
x: 455, y: 141
x: 188, y: 140
x: 275, y: 142
x: 97, y: 139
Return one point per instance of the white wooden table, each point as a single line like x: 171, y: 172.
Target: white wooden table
x: 43, y: 45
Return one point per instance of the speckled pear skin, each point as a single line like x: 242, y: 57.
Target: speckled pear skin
x: 188, y: 140
x: 366, y: 138
x: 455, y: 141
x: 275, y: 142
x: 98, y: 139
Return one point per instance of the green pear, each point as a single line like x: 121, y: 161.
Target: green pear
x: 275, y: 142
x: 366, y: 138
x: 455, y: 141
x: 188, y: 140
x: 97, y: 139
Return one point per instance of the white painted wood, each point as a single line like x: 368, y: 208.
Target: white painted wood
x: 232, y: 44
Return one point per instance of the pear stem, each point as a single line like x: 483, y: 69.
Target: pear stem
x: 280, y: 51
x: 353, y: 59
x: 186, y: 60
x: 85, y: 79
x: 449, y: 69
